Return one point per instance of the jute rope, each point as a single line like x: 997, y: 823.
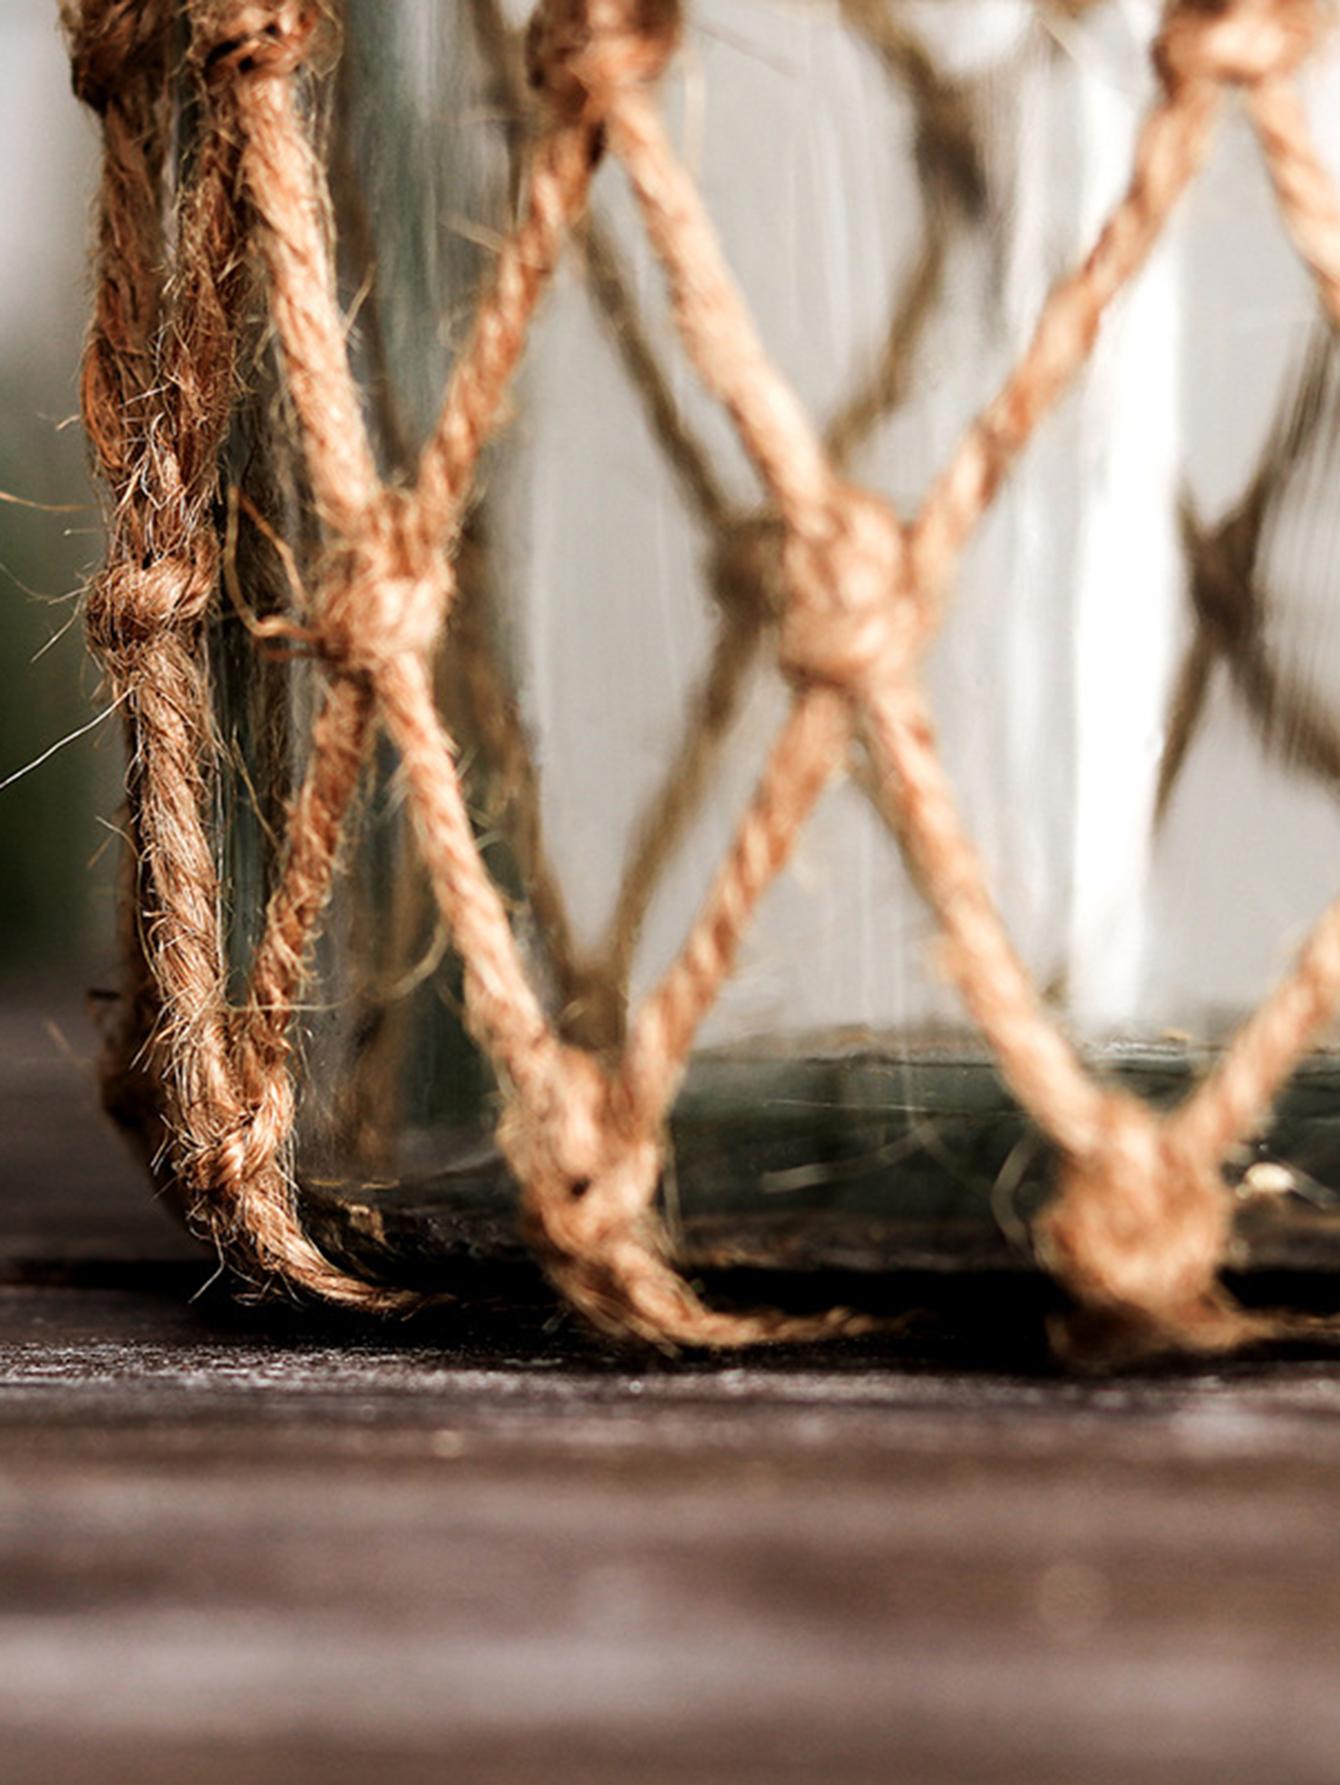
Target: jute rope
x: 742, y: 546
x: 1139, y: 1223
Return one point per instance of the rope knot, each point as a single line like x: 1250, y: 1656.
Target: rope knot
x: 579, y: 53
x: 386, y: 590
x: 1140, y: 1224
x: 108, y: 40
x: 586, y: 1180
x: 848, y: 619
x: 131, y: 605
x: 263, y: 41
x: 1240, y: 42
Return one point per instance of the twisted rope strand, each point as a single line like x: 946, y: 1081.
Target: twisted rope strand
x: 1305, y: 190
x: 341, y: 467
x: 172, y: 362
x: 803, y: 760
x: 281, y: 176
x: 1169, y: 151
x: 117, y: 68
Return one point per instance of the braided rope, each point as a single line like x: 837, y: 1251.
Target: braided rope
x: 1139, y: 1224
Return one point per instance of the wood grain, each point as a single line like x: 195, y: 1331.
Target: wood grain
x: 488, y: 1548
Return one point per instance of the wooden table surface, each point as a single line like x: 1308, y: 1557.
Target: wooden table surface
x: 241, y: 1546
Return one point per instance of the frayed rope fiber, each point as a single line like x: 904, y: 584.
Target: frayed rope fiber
x: 1139, y: 1223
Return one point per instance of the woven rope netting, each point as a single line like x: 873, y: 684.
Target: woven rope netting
x: 850, y: 591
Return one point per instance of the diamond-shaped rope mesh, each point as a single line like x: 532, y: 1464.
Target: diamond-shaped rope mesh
x: 851, y: 592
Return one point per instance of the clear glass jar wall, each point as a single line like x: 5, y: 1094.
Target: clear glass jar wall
x: 1137, y: 687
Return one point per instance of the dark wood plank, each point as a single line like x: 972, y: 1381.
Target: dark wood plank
x: 303, y: 1554
x: 486, y: 1547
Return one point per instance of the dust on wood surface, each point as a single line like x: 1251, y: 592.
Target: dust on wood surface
x: 488, y: 1548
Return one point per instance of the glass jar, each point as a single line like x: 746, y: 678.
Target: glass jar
x: 1137, y: 684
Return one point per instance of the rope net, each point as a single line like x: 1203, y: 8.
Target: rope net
x: 849, y: 591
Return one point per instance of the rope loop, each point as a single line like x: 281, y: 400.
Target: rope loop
x: 579, y: 53
x: 1140, y: 1223
x: 261, y: 41
x: 108, y: 40
x: 849, y: 619
x: 1237, y: 42
x: 386, y: 591
x: 130, y: 606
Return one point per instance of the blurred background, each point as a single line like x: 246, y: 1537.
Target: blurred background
x: 58, y: 852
